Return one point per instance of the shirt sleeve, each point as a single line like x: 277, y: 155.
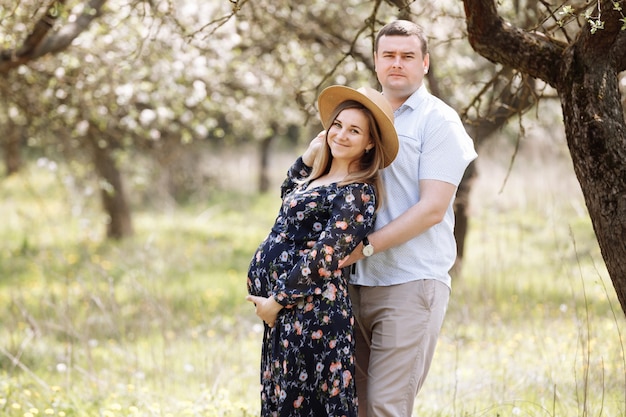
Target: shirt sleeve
x: 297, y: 172
x: 352, y: 217
x: 446, y: 153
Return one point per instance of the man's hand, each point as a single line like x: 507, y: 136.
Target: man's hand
x: 356, y: 255
x: 266, y: 308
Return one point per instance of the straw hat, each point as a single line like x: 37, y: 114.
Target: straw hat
x: 334, y: 95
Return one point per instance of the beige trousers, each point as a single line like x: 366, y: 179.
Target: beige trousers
x: 396, y: 334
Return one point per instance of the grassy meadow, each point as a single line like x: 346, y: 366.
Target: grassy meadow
x: 157, y: 325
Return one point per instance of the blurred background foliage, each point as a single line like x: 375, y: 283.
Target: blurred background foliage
x: 150, y: 90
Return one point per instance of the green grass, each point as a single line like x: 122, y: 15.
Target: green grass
x: 154, y: 325
x: 157, y: 325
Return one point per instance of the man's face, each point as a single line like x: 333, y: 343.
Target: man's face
x: 400, y: 66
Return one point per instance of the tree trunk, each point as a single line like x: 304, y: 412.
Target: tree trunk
x: 584, y: 72
x: 264, y: 156
x: 12, y: 150
x: 112, y: 193
x: 461, y: 214
x: 596, y: 137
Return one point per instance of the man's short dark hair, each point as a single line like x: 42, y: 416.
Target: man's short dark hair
x: 403, y: 28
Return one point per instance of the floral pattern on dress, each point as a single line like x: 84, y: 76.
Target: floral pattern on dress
x: 307, y: 358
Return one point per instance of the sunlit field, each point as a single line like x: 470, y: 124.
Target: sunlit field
x: 534, y: 327
x: 157, y: 325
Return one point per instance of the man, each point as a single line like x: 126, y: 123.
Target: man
x: 401, y: 284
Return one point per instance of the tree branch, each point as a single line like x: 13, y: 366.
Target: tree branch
x: 500, y: 42
x: 41, y: 42
x: 13, y: 58
x: 66, y: 35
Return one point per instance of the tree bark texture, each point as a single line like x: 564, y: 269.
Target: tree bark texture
x: 596, y: 137
x: 585, y: 76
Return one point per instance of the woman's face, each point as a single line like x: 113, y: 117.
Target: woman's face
x: 349, y: 135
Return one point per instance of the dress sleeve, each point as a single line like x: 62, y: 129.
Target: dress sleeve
x: 352, y: 218
x: 298, y: 171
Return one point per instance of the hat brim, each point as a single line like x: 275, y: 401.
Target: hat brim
x: 332, y: 96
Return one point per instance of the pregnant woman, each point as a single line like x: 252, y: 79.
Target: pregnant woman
x: 329, y: 201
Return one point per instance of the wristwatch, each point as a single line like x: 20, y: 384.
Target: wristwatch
x: 368, y: 249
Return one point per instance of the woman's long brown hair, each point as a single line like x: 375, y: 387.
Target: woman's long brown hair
x: 370, y: 163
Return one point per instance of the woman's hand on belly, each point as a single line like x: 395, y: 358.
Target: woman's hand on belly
x: 266, y: 308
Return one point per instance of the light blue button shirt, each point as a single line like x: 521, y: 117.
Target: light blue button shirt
x: 433, y: 145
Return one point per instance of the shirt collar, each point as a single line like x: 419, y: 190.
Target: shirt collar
x: 414, y: 99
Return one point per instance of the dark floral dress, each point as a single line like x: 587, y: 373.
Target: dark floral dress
x: 307, y: 359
